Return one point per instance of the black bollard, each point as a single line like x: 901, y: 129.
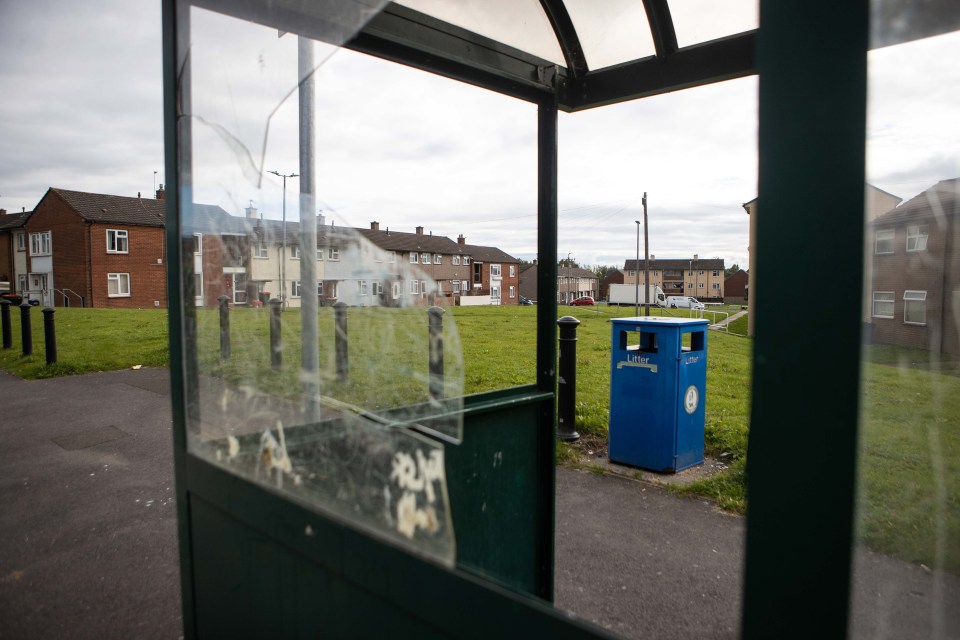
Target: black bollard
x: 435, y: 315
x: 5, y: 321
x: 340, y: 340
x: 26, y: 333
x: 567, y: 380
x: 49, y: 335
x: 224, y: 327
x: 276, y: 349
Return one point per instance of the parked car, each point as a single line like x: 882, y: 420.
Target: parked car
x: 584, y: 301
x: 527, y: 300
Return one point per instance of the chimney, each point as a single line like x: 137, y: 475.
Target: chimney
x: 321, y: 220
x: 534, y: 262
x: 461, y: 239
x: 160, y: 193
x: 3, y: 212
x: 375, y: 226
x: 696, y: 257
x: 419, y: 231
x: 138, y: 195
x: 653, y: 257
x: 251, y: 211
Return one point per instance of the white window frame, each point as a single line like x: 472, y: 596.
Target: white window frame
x: 455, y: 284
x: 414, y: 287
x: 466, y: 260
x: 880, y: 240
x: 423, y: 287
x: 319, y: 254
x: 376, y: 288
x: 716, y: 285
x: 261, y: 251
x: 689, y: 285
x: 295, y: 252
x: 334, y: 254
x: 881, y: 298
x: 716, y: 274
x: 437, y: 258
x: 296, y: 289
x: 23, y: 283
x: 21, y: 241
x: 513, y: 291
x: 118, y: 241
x: 424, y: 258
x: 120, y: 279
x: 320, y: 288
x: 701, y: 286
x: 513, y: 271
x: 456, y: 260
x: 40, y: 243
x: 414, y: 258
x: 495, y: 271
x: 397, y: 290
x: 917, y: 235
x: 393, y: 256
x: 362, y: 287
x: 495, y: 292
x: 910, y: 298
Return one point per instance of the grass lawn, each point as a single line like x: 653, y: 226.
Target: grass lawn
x: 909, y: 488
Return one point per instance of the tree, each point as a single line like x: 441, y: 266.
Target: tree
x: 603, y: 270
x: 568, y: 263
x: 732, y: 270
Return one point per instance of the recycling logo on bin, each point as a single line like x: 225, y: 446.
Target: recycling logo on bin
x: 691, y: 399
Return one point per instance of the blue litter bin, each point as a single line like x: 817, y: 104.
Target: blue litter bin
x: 658, y: 378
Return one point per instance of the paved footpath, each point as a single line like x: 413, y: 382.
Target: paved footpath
x: 88, y: 533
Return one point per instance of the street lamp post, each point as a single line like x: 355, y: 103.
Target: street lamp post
x: 283, y: 245
x: 636, y: 300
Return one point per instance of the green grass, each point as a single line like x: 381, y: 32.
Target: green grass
x: 909, y: 475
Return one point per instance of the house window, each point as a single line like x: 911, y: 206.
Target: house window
x: 320, y: 288
x: 260, y: 250
x: 362, y: 287
x: 117, y: 241
x: 883, y: 304
x: 716, y: 286
x: 40, y: 243
x: 437, y: 258
x: 393, y: 256
x: 334, y: 253
x: 883, y: 241
x: 423, y: 287
x: 456, y: 260
x: 21, y: 241
x: 320, y: 254
x: 632, y: 274
x: 466, y: 260
x: 917, y: 237
x: 716, y: 274
x: 376, y: 287
x: 396, y: 290
x: 294, y: 252
x: 456, y: 285
x: 689, y: 273
x: 656, y: 273
x: 700, y: 286
x: 513, y: 291
x: 414, y: 287
x: 701, y: 272
x: 413, y: 257
x: 295, y: 290
x: 494, y: 293
x: 465, y: 285
x: 425, y: 258
x: 23, y: 283
x: 689, y: 285
x: 494, y: 271
x: 118, y: 285
x: 915, y: 307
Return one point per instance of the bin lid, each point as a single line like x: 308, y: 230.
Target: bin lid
x: 660, y: 321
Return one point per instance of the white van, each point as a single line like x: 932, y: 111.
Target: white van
x: 684, y: 302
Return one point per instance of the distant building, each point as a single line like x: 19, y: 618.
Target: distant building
x: 737, y: 288
x: 696, y: 277
x: 615, y: 276
x: 572, y: 283
x: 13, y: 252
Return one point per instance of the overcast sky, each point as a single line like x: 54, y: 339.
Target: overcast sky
x: 81, y: 109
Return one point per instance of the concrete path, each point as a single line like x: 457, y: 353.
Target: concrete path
x: 88, y: 533
x: 728, y: 320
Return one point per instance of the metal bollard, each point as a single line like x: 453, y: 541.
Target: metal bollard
x: 49, y: 335
x: 26, y: 332
x: 5, y: 321
x: 435, y: 322
x: 340, y: 340
x: 567, y: 379
x: 224, y: 327
x: 276, y: 349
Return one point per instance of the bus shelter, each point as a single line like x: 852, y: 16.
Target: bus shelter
x: 357, y: 502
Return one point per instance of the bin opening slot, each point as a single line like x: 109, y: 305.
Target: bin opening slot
x: 642, y: 341
x: 692, y: 341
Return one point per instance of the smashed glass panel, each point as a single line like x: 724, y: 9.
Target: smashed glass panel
x: 697, y: 21
x: 313, y: 367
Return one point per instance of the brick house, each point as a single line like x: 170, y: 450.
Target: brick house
x: 13, y: 252
x: 615, y: 276
x: 494, y: 273
x: 96, y: 250
x: 914, y: 281
x: 736, y: 288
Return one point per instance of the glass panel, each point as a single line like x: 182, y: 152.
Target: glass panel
x: 697, y: 21
x: 906, y: 581
x: 612, y: 32
x: 521, y: 24
x: 329, y: 400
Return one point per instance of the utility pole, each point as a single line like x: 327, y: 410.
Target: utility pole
x: 636, y: 295
x: 283, y: 245
x: 646, y: 251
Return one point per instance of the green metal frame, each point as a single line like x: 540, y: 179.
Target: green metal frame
x: 811, y: 57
